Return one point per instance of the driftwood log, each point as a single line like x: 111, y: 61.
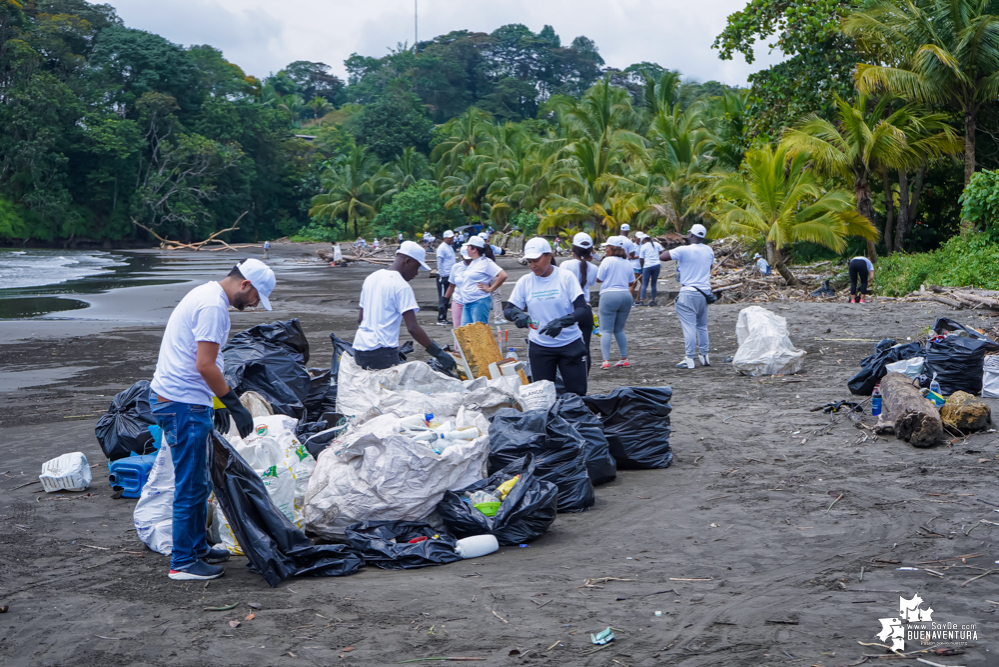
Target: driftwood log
x: 916, y: 418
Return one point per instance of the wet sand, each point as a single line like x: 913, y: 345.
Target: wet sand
x: 735, y: 544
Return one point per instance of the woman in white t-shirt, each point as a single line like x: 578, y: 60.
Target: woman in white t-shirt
x: 615, y: 277
x: 861, y: 269
x: 456, y: 278
x: 550, y: 302
x: 651, y: 266
x: 585, y: 271
x: 482, y: 277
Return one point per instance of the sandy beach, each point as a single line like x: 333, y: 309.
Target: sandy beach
x: 739, y: 544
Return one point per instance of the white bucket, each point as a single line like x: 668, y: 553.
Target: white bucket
x: 476, y: 545
x: 69, y: 472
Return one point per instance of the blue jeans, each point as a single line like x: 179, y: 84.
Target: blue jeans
x: 477, y: 311
x: 186, y: 428
x: 614, y: 310
x: 651, y: 274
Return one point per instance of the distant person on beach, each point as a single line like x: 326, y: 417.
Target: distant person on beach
x: 585, y: 271
x: 693, y: 263
x: 187, y: 381
x: 445, y: 262
x: 861, y: 269
x: 387, y: 299
x: 651, y: 266
x: 267, y: 247
x: 631, y: 254
x: 550, y: 302
x: 482, y: 278
x: 616, y: 277
x: 455, y: 279
x: 762, y: 265
x: 399, y: 236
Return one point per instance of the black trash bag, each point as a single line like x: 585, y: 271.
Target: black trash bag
x: 124, y: 428
x: 322, y: 394
x: 527, y: 513
x: 317, y: 436
x: 958, y: 361
x: 270, y: 360
x: 873, y: 367
x: 557, y: 448
x: 596, y: 450
x: 385, y: 544
x: 275, y: 547
x: 637, y: 425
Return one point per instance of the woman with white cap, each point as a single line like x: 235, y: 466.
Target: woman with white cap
x: 456, y: 278
x: 585, y: 272
x: 694, y: 263
x: 482, y: 277
x: 550, y: 302
x: 651, y: 266
x: 616, y: 278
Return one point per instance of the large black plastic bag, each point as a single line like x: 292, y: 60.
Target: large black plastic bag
x: 599, y: 462
x: 385, y: 544
x: 528, y: 511
x: 275, y: 547
x: 270, y: 360
x: 125, y: 427
x: 322, y: 394
x: 636, y: 423
x: 873, y: 367
x: 958, y: 361
x: 557, y: 450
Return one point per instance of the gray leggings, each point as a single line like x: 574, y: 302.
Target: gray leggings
x: 614, y: 309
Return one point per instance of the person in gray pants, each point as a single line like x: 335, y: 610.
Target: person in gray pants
x: 694, y: 264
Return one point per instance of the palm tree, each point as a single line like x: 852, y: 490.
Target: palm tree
x: 777, y: 200
x: 866, y: 141
x: 319, y: 107
x: 352, y: 187
x: 411, y: 166
x: 946, y: 51
x: 463, y: 135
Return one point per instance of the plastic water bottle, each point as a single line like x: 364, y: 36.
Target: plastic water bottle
x: 876, y: 400
x: 935, y: 395
x: 512, y: 354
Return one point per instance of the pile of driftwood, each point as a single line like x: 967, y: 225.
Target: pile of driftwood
x: 747, y: 285
x: 383, y: 256
x: 955, y: 297
x: 169, y: 244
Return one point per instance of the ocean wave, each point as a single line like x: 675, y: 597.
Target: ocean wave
x: 37, y: 268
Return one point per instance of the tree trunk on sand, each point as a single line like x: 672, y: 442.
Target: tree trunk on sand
x: 916, y: 418
x: 889, y: 211
x: 776, y: 259
x: 862, y: 188
x: 970, y: 126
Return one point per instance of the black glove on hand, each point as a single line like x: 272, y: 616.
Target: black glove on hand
x: 244, y: 422
x: 518, y: 317
x: 447, y: 362
x: 554, y: 327
x: 220, y: 420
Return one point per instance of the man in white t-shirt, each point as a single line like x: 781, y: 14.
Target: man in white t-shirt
x: 694, y: 265
x: 188, y: 377
x: 631, y: 250
x: 387, y: 299
x: 445, y: 262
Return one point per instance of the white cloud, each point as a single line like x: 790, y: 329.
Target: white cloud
x: 263, y: 36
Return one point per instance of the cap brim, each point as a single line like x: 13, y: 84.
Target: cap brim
x: 533, y: 255
x: 425, y: 267
x: 264, y: 301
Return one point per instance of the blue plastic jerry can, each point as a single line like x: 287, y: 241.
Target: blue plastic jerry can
x: 131, y: 474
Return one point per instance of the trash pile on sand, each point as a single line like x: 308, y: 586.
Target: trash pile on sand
x: 398, y: 468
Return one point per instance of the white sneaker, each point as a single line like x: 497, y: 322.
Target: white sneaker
x: 686, y: 363
x: 704, y: 360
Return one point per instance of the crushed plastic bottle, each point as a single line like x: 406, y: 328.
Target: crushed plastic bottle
x: 876, y: 400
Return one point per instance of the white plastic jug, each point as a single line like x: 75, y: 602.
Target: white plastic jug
x: 69, y: 472
x: 476, y: 545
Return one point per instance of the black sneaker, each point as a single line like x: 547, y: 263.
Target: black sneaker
x: 216, y: 556
x: 197, y: 570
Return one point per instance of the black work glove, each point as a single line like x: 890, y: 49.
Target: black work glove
x: 554, y: 327
x: 244, y: 422
x: 447, y: 362
x: 517, y: 316
x: 220, y: 419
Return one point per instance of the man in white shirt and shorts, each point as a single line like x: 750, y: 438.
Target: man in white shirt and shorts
x: 694, y: 264
x: 387, y: 299
x: 188, y: 377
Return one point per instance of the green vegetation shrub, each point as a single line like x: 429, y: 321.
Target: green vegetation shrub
x: 960, y: 261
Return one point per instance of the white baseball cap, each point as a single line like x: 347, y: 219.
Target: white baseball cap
x: 699, y: 231
x: 464, y: 251
x: 640, y: 235
x: 616, y: 241
x: 414, y: 250
x: 757, y: 256
x: 449, y: 234
x: 477, y: 242
x: 583, y: 240
x: 626, y: 227
x: 261, y: 277
x: 536, y: 247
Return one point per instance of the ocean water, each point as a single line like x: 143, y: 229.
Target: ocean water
x: 21, y: 269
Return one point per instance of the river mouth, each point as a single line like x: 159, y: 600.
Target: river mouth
x: 24, y: 308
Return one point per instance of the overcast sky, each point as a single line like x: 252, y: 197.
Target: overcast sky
x: 262, y: 36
